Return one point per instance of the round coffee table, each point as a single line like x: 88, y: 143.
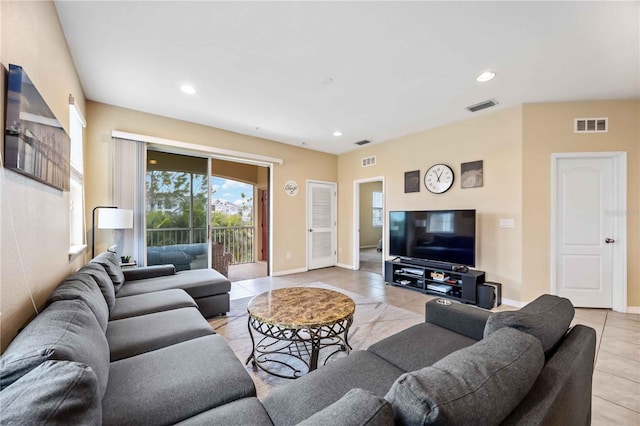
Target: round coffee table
x: 294, y: 324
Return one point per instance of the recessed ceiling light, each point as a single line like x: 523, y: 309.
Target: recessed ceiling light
x: 337, y: 133
x: 188, y: 89
x: 486, y: 76
x: 152, y: 161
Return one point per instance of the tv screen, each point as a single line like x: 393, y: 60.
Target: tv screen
x: 440, y: 235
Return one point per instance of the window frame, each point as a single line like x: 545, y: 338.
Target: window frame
x: 77, y: 223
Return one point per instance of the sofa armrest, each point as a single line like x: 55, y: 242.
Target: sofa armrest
x: 357, y: 407
x: 463, y: 319
x: 145, y: 272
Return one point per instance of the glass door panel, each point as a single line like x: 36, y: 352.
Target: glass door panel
x: 176, y: 210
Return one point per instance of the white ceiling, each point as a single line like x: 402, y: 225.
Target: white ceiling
x: 261, y: 68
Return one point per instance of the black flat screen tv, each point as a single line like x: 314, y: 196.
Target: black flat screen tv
x: 444, y: 236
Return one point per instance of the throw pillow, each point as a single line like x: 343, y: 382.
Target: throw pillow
x: 548, y: 318
x: 55, y: 392
x: 479, y: 385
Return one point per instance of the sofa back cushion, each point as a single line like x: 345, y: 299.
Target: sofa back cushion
x: 66, y: 330
x: 56, y: 393
x: 83, y: 287
x: 103, y: 280
x: 480, y: 384
x: 548, y: 318
x: 111, y: 264
x: 370, y: 410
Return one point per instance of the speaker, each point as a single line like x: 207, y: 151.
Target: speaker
x: 486, y: 296
x: 497, y: 290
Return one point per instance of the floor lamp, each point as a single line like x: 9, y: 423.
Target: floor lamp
x: 109, y: 217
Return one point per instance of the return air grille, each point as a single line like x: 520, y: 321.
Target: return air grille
x: 482, y: 105
x: 591, y: 125
x: 369, y: 161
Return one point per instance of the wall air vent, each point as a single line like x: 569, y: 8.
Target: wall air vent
x: 363, y: 142
x: 591, y: 125
x: 369, y: 161
x: 482, y: 105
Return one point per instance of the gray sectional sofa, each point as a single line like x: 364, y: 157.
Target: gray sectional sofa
x: 95, y: 357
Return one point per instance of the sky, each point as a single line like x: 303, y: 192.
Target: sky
x: 230, y: 190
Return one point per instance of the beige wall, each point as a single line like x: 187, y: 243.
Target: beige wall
x: 34, y: 249
x: 289, y: 221
x: 548, y: 128
x: 369, y: 235
x: 494, y: 138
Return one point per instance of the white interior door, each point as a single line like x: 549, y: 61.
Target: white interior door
x: 321, y: 220
x: 585, y: 228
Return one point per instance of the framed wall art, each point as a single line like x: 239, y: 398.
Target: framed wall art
x: 412, y: 181
x: 471, y: 174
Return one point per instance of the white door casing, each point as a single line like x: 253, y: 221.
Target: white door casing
x: 588, y: 241
x: 321, y: 224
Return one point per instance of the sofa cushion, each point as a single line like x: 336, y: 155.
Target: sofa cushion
x: 357, y: 407
x: 66, y: 330
x: 197, y: 282
x: 174, y: 383
x: 245, y: 411
x: 83, y: 287
x: 103, y: 280
x: 55, y: 392
x: 111, y: 265
x: 300, y: 399
x: 419, y: 346
x: 133, y: 336
x: 480, y: 384
x: 548, y: 318
x: 148, y: 303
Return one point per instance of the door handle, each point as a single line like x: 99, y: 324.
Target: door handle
x: 310, y: 230
x: 609, y: 240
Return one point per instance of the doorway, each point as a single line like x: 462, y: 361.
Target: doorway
x: 588, y: 261
x: 369, y: 217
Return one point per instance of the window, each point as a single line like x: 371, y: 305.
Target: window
x: 377, y: 209
x: 77, y: 241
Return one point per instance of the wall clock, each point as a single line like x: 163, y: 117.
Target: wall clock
x: 439, y: 178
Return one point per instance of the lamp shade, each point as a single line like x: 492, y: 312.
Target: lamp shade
x: 115, y: 219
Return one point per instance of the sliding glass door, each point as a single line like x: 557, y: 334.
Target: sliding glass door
x: 177, y: 210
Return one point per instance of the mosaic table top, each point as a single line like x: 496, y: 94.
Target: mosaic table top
x: 301, y: 307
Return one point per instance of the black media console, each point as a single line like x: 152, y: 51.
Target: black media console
x: 438, y: 280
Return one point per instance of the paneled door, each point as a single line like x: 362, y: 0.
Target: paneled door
x: 321, y: 221
x: 585, y: 234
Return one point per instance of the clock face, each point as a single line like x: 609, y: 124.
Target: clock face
x: 439, y: 178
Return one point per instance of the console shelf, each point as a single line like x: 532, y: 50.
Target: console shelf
x: 434, y: 280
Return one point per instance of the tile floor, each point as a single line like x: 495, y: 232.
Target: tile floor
x: 616, y: 379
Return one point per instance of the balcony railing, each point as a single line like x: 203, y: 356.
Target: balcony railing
x: 237, y: 240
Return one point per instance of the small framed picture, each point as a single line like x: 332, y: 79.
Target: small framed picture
x: 471, y: 174
x: 412, y: 181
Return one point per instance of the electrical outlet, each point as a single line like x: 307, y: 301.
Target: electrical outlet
x: 507, y: 223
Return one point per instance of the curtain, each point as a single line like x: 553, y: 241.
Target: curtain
x: 129, y: 168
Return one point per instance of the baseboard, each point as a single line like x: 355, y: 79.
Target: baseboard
x: 514, y: 303
x: 345, y: 266
x: 289, y: 272
x: 633, y: 309
x: 366, y: 247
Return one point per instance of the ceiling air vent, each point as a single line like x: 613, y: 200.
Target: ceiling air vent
x: 482, y: 105
x: 591, y: 125
x: 369, y: 161
x: 363, y: 142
